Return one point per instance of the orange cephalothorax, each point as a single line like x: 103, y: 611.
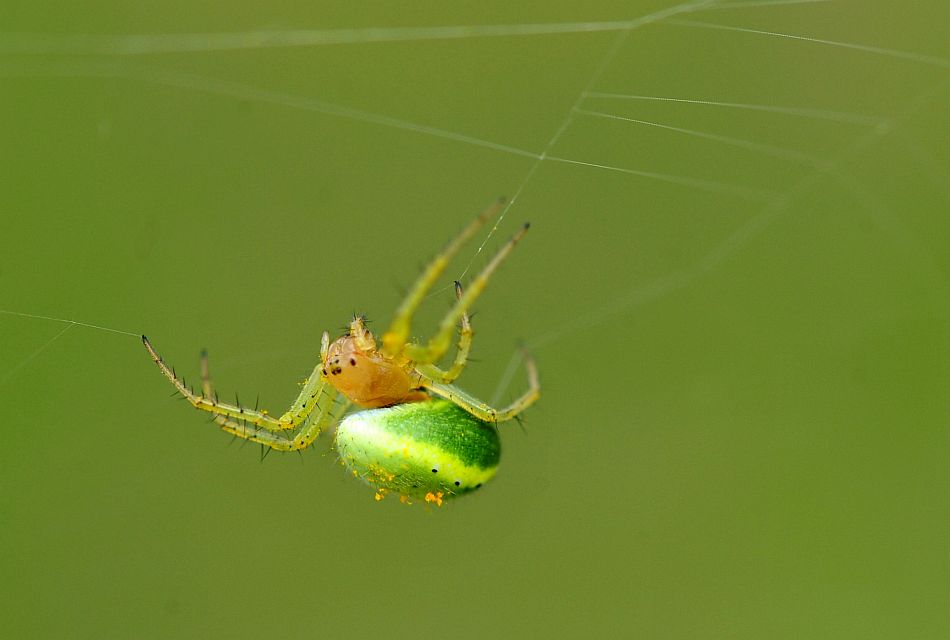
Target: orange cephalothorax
x: 353, y: 365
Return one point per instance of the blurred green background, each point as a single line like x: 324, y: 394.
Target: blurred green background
x: 744, y: 426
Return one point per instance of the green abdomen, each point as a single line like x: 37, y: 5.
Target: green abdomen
x: 420, y: 449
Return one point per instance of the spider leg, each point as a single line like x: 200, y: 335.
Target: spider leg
x: 482, y: 410
x: 398, y: 332
x: 316, y: 409
x: 439, y: 344
x: 207, y: 389
x: 327, y: 410
x: 294, y: 416
x: 306, y: 400
x: 462, y: 349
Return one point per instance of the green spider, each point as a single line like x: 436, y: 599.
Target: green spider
x: 421, y: 437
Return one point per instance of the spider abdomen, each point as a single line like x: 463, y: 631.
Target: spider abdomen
x: 432, y: 450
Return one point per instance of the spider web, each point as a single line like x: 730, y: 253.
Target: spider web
x: 608, y: 98
x: 720, y: 192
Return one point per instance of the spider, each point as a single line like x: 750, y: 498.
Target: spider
x: 420, y: 435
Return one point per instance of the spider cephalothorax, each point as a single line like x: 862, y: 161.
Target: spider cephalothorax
x: 369, y: 378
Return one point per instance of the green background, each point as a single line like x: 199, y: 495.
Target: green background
x: 744, y: 424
